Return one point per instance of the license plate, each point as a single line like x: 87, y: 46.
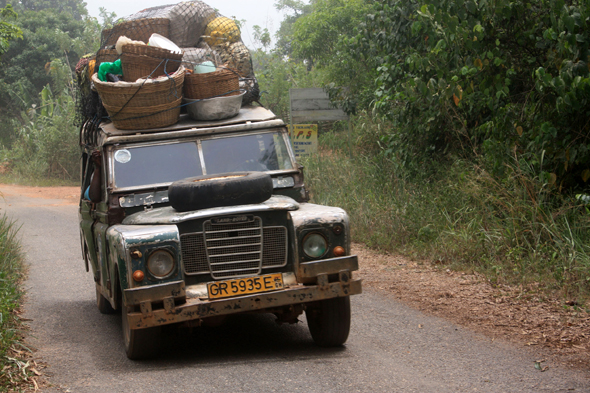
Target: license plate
x: 244, y: 286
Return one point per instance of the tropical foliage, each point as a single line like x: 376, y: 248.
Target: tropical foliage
x: 8, y: 31
x: 37, y: 98
x: 476, y: 145
x: 25, y: 67
x: 46, y: 145
x: 500, y: 79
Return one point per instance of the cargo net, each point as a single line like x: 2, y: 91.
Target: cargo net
x: 88, y: 103
x: 205, y: 38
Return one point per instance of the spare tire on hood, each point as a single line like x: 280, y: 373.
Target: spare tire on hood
x: 226, y: 189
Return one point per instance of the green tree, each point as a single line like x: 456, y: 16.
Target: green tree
x: 75, y: 8
x: 294, y: 10
x: 8, y: 32
x: 316, y: 34
x: 262, y: 37
x: 321, y: 38
x: 25, y: 68
x: 503, y: 78
x: 50, y: 31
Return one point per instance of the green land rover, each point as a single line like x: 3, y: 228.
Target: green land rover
x: 196, y: 221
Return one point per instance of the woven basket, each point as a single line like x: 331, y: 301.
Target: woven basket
x: 140, y: 61
x: 137, y: 30
x: 212, y: 84
x: 148, y: 50
x: 142, y: 105
x: 145, y: 118
x: 106, y: 55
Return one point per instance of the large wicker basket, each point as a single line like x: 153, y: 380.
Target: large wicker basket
x: 142, y: 105
x: 137, y: 30
x: 106, y: 55
x: 140, y: 61
x: 223, y: 82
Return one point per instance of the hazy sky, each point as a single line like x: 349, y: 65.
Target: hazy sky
x: 255, y: 12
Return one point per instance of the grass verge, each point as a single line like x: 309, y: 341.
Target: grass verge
x: 15, y: 372
x: 514, y: 230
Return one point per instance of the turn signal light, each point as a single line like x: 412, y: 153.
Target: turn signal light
x: 339, y: 251
x: 138, y: 275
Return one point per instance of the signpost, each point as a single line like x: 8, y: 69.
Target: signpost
x: 304, y: 138
x: 311, y: 105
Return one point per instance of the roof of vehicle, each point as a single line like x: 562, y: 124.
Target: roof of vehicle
x: 249, y: 118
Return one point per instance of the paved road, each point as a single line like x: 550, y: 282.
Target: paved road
x: 392, y: 348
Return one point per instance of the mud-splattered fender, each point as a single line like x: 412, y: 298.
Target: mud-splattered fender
x: 143, y: 239
x: 310, y: 216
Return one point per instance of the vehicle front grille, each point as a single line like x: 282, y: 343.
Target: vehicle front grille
x: 274, y: 250
x: 234, y: 250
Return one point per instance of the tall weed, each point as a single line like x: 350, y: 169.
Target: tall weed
x: 526, y: 231
x: 11, y: 273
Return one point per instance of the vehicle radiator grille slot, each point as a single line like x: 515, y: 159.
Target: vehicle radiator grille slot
x: 234, y: 250
x: 274, y: 251
x: 194, y: 256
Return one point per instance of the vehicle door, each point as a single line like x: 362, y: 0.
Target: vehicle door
x: 86, y: 214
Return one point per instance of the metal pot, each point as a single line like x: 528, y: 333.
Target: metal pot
x: 217, y: 108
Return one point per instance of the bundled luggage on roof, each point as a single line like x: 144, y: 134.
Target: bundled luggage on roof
x: 149, y: 61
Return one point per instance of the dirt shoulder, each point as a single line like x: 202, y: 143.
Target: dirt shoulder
x: 512, y: 314
x: 67, y: 195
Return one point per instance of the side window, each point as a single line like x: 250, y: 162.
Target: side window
x: 86, y: 172
x: 92, y: 184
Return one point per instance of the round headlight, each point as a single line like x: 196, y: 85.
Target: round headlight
x: 315, y: 245
x: 160, y: 263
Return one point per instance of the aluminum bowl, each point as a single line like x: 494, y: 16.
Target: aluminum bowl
x: 217, y: 108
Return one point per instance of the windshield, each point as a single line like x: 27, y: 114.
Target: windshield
x: 164, y: 163
x: 258, y: 152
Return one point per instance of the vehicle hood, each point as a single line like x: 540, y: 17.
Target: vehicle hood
x: 167, y: 215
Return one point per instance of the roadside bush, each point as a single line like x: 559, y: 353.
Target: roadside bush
x: 46, y: 145
x: 515, y: 229
x: 464, y: 78
x: 11, y: 273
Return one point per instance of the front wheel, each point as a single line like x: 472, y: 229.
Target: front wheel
x: 329, y: 321
x: 140, y: 343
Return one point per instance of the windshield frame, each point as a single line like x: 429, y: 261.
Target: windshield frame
x: 110, y: 150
